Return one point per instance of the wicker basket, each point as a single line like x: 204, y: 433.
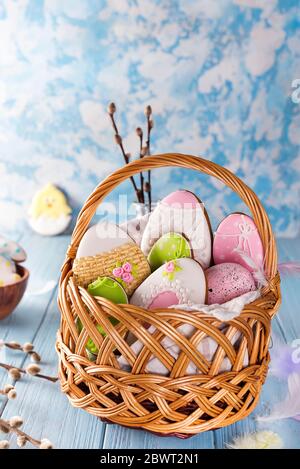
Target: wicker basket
x: 177, y: 404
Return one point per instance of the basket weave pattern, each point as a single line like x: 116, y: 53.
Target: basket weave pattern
x: 178, y: 404
x: 87, y: 269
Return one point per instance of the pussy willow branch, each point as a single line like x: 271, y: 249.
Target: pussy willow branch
x: 140, y: 135
x: 111, y: 111
x: 26, y: 348
x: 148, y: 113
x: 53, y: 379
x: 17, y: 431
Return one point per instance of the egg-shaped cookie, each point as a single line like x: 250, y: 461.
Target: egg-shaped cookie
x: 181, y: 281
x: 107, y: 251
x: 102, y: 237
x: 237, y: 240
x: 183, y: 213
x: 49, y: 212
x: 167, y: 248
x: 227, y: 281
x: 108, y: 288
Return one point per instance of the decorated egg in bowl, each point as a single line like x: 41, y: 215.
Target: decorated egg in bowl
x: 13, y: 283
x: 13, y: 277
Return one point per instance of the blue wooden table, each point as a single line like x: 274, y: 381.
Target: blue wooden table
x: 47, y: 412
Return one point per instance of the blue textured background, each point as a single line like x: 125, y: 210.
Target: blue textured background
x: 217, y: 74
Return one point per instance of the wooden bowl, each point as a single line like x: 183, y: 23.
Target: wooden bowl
x: 11, y: 295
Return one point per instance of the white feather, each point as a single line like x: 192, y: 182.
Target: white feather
x: 257, y: 271
x: 260, y: 440
x: 50, y: 285
x: 289, y: 268
x: 290, y: 407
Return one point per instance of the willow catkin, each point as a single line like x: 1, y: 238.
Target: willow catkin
x: 33, y: 369
x: 16, y: 421
x: 14, y: 373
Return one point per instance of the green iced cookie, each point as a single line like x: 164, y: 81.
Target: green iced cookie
x: 167, y: 248
x: 111, y: 290
x: 108, y: 288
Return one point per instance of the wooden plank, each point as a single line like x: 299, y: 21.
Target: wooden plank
x: 46, y: 411
x: 284, y: 326
x: 289, y: 317
x: 45, y: 256
x: 120, y: 437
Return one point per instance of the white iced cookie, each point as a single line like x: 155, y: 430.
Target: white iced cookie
x: 102, y: 237
x: 8, y: 273
x: 12, y: 250
x: 107, y: 251
x: 183, y: 213
x: 49, y: 213
x: 181, y: 281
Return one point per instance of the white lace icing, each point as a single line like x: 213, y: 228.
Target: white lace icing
x: 176, y: 286
x: 191, y: 222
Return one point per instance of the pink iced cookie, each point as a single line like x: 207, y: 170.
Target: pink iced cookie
x: 238, y: 233
x: 227, y: 281
x: 181, y: 198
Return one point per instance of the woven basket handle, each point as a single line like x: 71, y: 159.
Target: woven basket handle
x: 183, y: 161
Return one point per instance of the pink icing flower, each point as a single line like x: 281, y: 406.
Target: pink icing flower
x: 127, y: 267
x: 118, y: 271
x: 127, y: 277
x: 170, y: 266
